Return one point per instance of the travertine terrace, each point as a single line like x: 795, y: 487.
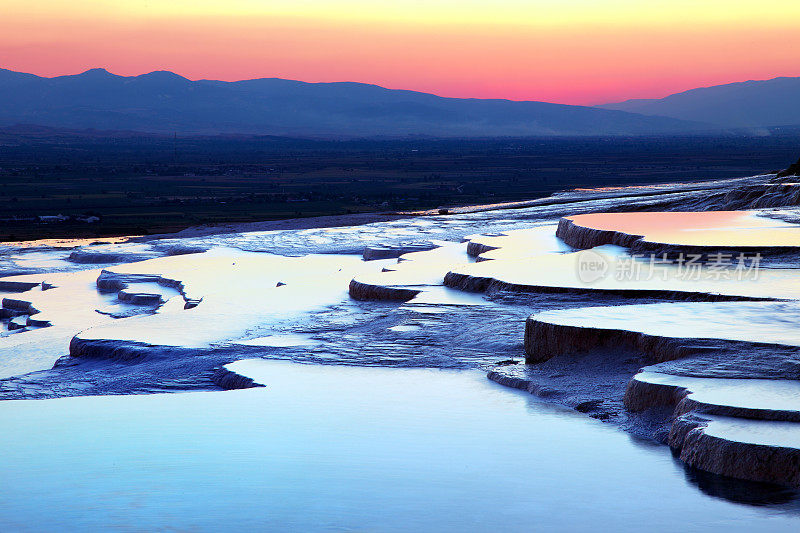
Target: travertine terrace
x: 594, y: 311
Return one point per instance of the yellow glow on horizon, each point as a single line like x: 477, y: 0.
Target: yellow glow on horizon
x: 535, y: 13
x: 572, y: 51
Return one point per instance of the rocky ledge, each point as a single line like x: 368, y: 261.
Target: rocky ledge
x: 392, y: 251
x: 745, y: 449
x: 360, y: 290
x: 110, y: 282
x: 724, y: 396
x: 470, y: 282
x: 793, y: 170
x: 723, y: 232
x: 227, y: 379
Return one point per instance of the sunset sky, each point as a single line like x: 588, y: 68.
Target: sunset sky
x: 567, y: 51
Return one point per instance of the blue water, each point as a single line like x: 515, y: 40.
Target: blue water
x: 331, y: 448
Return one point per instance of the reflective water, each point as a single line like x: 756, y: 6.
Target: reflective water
x: 335, y: 448
x: 775, y: 394
x: 765, y: 432
x: 244, y: 294
x: 702, y: 228
x: 325, y: 448
x: 281, y: 341
x: 766, y: 322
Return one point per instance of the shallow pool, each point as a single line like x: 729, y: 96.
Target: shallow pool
x: 333, y: 448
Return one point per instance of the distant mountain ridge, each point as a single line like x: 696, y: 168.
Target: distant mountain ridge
x: 754, y: 103
x: 164, y: 102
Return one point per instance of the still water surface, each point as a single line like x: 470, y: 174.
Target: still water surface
x: 333, y: 448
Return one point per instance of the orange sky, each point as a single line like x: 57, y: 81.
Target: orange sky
x: 570, y: 51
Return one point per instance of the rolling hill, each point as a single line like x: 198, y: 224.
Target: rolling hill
x: 163, y: 102
x: 746, y: 104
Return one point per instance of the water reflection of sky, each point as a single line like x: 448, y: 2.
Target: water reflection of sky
x: 346, y: 448
x: 341, y: 448
x: 703, y: 228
